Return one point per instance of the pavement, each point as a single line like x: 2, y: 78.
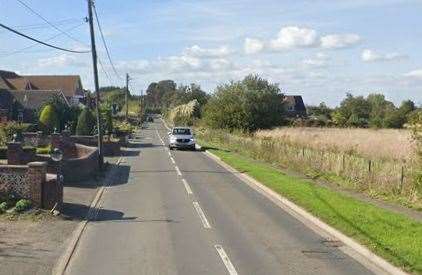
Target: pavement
x: 179, y: 212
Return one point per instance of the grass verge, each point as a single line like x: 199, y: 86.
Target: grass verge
x: 393, y: 236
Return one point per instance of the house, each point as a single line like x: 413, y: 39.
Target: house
x: 23, y: 105
x: 69, y: 85
x: 294, y: 106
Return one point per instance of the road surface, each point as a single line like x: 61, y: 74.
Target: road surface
x: 179, y: 212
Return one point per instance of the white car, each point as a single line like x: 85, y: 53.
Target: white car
x: 181, y: 137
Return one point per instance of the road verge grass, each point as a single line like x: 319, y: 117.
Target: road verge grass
x: 393, y: 236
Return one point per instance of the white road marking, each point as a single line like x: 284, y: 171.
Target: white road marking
x: 169, y: 154
x: 172, y: 160
x: 201, y: 214
x: 225, y: 259
x: 187, y: 187
x: 178, y: 170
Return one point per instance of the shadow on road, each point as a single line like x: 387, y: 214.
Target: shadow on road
x: 130, y: 153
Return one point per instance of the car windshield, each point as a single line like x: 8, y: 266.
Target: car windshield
x: 181, y: 131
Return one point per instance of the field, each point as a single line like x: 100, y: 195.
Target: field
x: 391, y: 144
x: 379, y: 163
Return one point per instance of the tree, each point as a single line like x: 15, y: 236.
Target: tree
x: 86, y: 123
x: 250, y: 104
x: 352, y: 112
x: 48, y: 120
x: 67, y: 115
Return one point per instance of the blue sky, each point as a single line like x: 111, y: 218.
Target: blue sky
x: 320, y: 49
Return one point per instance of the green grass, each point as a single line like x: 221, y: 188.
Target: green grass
x: 393, y: 236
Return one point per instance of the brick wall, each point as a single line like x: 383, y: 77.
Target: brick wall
x: 24, y: 181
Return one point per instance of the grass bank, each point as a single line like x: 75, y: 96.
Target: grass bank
x: 393, y: 236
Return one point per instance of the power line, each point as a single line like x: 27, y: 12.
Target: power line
x: 39, y: 41
x: 105, y: 44
x: 33, y: 45
x: 105, y: 72
x: 48, y: 22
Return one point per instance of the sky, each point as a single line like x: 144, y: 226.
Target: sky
x: 320, y: 49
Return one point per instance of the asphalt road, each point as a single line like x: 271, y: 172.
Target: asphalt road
x: 179, y: 212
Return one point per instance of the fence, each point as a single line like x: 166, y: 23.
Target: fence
x: 381, y: 176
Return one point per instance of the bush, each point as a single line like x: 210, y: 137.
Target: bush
x: 22, y: 205
x: 86, y: 123
x: 415, y: 125
x: 7, y: 130
x: 48, y: 119
x: 250, y: 104
x: 3, y: 207
x: 44, y: 150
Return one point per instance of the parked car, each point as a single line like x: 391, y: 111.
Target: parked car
x: 181, y: 137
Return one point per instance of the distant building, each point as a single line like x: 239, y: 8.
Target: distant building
x: 294, y: 106
x: 69, y: 85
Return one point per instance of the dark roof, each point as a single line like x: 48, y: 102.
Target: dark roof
x: 295, y: 101
x: 30, y: 99
x: 70, y: 85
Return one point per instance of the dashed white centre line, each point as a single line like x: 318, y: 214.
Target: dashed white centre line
x: 169, y: 154
x: 201, y: 214
x: 178, y: 170
x: 225, y: 259
x: 172, y: 160
x: 187, y: 187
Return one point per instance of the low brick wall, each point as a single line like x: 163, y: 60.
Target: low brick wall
x: 35, y: 139
x: 16, y: 155
x: 24, y: 181
x: 81, y: 165
x: 110, y: 148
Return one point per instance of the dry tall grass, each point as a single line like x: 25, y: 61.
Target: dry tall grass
x: 384, y: 144
x: 366, y: 160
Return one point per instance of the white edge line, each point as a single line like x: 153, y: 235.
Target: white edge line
x: 187, y: 187
x: 225, y: 259
x: 359, y: 252
x: 178, y: 170
x: 201, y: 214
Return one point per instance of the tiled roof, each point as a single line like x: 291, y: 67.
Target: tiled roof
x: 29, y: 99
x: 70, y: 85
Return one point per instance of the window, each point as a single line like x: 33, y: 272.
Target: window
x: 181, y: 131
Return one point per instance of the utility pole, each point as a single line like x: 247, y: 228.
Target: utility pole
x: 97, y: 86
x: 126, y: 95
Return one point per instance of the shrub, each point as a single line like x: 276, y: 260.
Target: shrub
x: 415, y: 125
x: 44, y: 150
x: 48, y: 119
x: 7, y: 130
x: 22, y: 205
x: 3, y: 207
x: 86, y: 123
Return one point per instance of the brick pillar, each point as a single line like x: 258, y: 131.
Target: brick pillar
x: 14, y: 153
x: 37, y: 173
x: 66, y: 136
x: 40, y: 136
x: 56, y: 141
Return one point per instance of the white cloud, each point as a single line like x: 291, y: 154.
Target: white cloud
x: 338, y: 41
x: 415, y: 74
x: 294, y: 37
x: 253, y: 46
x: 372, y: 56
x: 196, y: 51
x: 63, y: 60
x: 318, y: 61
